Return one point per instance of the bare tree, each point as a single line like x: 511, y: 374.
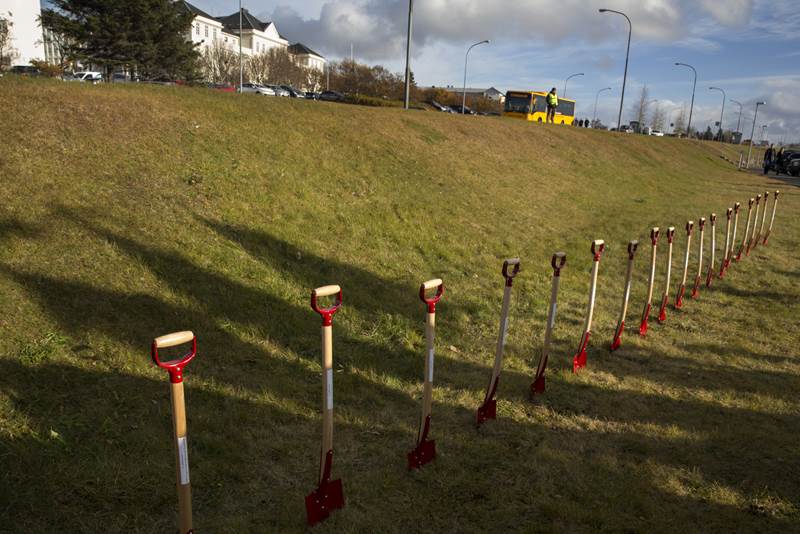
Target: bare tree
x: 7, y: 52
x: 219, y: 64
x: 642, y: 105
x: 680, y: 122
x: 659, y: 118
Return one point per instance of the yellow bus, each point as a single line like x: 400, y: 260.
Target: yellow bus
x: 532, y: 106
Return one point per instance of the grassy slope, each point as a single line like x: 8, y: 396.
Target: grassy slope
x: 130, y: 212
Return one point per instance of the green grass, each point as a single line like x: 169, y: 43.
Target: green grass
x: 130, y: 212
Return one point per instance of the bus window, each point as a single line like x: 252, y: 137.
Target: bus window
x: 541, y: 104
x: 566, y: 108
x: 518, y: 103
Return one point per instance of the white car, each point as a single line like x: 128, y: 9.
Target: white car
x: 257, y: 89
x: 657, y: 133
x: 87, y: 76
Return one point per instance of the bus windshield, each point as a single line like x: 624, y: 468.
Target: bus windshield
x: 518, y: 103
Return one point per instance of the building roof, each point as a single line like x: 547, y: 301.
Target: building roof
x: 299, y: 49
x: 249, y: 21
x: 197, y: 11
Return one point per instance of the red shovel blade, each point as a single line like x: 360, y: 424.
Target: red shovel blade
x: 696, y: 288
x: 537, y: 386
x: 645, y: 321
x: 710, y: 276
x: 618, y: 337
x: 422, y: 454
x: 320, y: 502
x: 662, y: 313
x: 486, y: 411
x: 679, y: 298
x: 579, y: 360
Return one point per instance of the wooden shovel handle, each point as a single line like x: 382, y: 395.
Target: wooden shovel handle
x: 175, y: 338
x: 327, y: 291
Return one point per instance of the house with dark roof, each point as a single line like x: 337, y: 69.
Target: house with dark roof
x: 257, y: 36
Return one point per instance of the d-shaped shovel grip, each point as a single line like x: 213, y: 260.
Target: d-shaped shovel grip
x: 598, y: 246
x: 729, y: 213
x: 558, y: 261
x: 174, y: 367
x: 326, y: 313
x: 431, y: 302
x: 713, y: 219
x: 670, y: 234
x: 655, y: 232
x: 633, y: 245
x: 702, y: 223
x: 689, y: 227
x: 513, y: 262
x: 736, y: 207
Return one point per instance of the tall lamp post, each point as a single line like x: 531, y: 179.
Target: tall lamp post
x: 694, y: 86
x: 752, y: 133
x: 241, y: 61
x: 594, y: 115
x: 739, y: 122
x: 627, y: 55
x: 722, y: 113
x: 407, y: 96
x: 466, y: 57
x: 564, y: 94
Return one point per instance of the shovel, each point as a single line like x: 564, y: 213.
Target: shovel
x: 746, y: 229
x: 579, y: 360
x: 650, y: 281
x: 175, y: 369
x: 617, y: 341
x: 772, y: 219
x: 558, y: 261
x: 488, y: 409
x: 682, y: 288
x: 329, y: 494
x: 733, y: 237
x: 662, y: 312
x: 723, y: 264
x: 751, y: 242
x: 710, y: 275
x: 763, y: 220
x: 425, y: 450
x: 696, y: 289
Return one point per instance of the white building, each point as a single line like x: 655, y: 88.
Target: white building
x: 26, y: 33
x: 257, y: 36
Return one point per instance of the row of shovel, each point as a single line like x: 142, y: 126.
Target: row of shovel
x: 329, y: 494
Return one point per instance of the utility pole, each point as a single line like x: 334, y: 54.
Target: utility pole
x: 691, y: 107
x: 722, y: 114
x: 466, y: 57
x: 407, y: 98
x: 627, y: 55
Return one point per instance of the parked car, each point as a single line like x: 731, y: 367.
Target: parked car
x: 25, y: 70
x: 441, y: 107
x: 279, y: 91
x: 793, y: 166
x: 121, y: 77
x: 457, y: 109
x: 311, y: 95
x: 294, y: 93
x: 223, y: 87
x: 789, y: 158
x: 84, y: 76
x: 331, y: 96
x: 657, y: 133
x: 257, y: 89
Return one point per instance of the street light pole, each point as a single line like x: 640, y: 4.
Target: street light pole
x: 466, y: 57
x: 739, y: 122
x: 408, y: 56
x: 565, y: 82
x: 594, y: 115
x: 722, y: 113
x: 627, y: 55
x: 241, y: 62
x: 752, y: 132
x: 694, y: 86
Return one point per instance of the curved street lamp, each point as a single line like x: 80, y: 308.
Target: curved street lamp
x: 694, y: 86
x: 627, y: 55
x: 752, y: 132
x: 565, y: 82
x: 722, y: 113
x: 466, y: 57
x: 739, y: 122
x: 594, y: 115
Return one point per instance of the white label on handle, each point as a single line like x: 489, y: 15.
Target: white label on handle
x: 553, y: 315
x: 627, y: 292
x: 183, y: 461
x: 329, y: 379
x: 430, y: 365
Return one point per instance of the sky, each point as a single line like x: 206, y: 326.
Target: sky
x: 748, y: 48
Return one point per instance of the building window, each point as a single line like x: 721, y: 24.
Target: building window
x: 215, y: 34
x: 206, y: 28
x: 197, y: 29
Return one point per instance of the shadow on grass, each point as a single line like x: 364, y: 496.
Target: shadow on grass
x: 13, y: 227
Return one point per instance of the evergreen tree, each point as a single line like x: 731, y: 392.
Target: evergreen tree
x: 150, y: 36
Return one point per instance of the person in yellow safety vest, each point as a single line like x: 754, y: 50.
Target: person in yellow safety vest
x: 552, y: 104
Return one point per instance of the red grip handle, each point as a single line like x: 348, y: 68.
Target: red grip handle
x: 510, y: 276
x: 326, y: 313
x: 598, y: 251
x: 558, y: 261
x: 174, y: 367
x: 632, y: 246
x: 689, y: 227
x: 431, y: 302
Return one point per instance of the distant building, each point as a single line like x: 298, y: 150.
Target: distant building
x: 491, y: 93
x: 257, y: 36
x: 26, y: 33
